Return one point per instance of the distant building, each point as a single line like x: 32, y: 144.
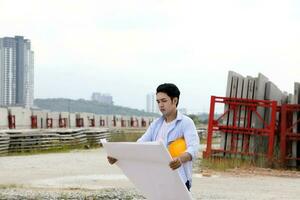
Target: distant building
x: 16, y: 72
x: 151, y: 104
x: 102, y: 98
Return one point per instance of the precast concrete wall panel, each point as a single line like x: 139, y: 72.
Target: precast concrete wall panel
x: 233, y: 90
x: 72, y: 120
x: 296, y: 129
x: 237, y: 140
x: 285, y: 97
x: 97, y: 120
x: 3, y: 118
x: 259, y: 94
x: 127, y: 118
x: 55, y: 118
x: 250, y: 95
x: 22, y: 117
x: 229, y: 86
x: 118, y: 120
x: 110, y: 120
x: 273, y: 93
x: 64, y: 114
x: 90, y: 116
x: 243, y: 114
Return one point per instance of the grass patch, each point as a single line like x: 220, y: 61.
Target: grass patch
x: 125, y: 136
x: 214, y: 140
x: 223, y: 164
x: 61, y: 149
x: 3, y: 187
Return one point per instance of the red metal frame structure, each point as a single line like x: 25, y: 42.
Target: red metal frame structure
x: 114, y: 121
x: 79, y: 122
x: 144, y: 123
x: 123, y: 122
x: 102, y: 122
x: 235, y: 106
x: 92, y: 122
x: 287, y: 131
x: 49, y: 123
x: 62, y: 122
x: 33, y: 121
x: 11, y: 121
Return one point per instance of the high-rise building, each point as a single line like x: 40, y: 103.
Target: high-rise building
x: 16, y: 72
x: 102, y: 98
x: 151, y: 104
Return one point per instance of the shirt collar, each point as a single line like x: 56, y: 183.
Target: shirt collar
x: 178, y: 117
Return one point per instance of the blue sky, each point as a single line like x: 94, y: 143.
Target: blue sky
x: 128, y: 47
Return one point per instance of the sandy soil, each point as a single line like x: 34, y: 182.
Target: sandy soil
x: 89, y: 170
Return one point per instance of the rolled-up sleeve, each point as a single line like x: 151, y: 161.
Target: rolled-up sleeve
x: 191, y: 138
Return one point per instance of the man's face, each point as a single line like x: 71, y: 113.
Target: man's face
x: 165, y: 104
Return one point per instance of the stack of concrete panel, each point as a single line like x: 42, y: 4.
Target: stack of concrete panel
x: 95, y: 134
x: 65, y: 136
x: 22, y: 117
x: 79, y: 137
x: 259, y: 88
x: 3, y: 118
x: 4, y: 142
x: 28, y: 140
x: 72, y: 137
x: 41, y: 118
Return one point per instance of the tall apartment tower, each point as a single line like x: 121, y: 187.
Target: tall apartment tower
x: 151, y: 105
x: 16, y: 71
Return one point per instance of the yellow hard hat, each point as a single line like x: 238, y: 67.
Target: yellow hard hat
x: 177, y: 147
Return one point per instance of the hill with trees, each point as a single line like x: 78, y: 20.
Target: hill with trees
x: 81, y: 105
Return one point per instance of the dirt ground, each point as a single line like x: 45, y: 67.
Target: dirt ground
x: 89, y: 170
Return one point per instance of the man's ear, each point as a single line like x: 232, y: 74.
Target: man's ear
x: 175, y: 100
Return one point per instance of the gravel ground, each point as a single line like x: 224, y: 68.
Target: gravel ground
x: 85, y: 174
x: 114, y: 194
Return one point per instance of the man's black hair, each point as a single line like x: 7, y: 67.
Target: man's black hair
x: 170, y: 89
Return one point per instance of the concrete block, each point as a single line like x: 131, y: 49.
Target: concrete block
x: 72, y: 120
x: 22, y: 117
x: 55, y: 118
x: 3, y: 118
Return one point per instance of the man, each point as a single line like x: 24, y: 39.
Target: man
x: 173, y: 125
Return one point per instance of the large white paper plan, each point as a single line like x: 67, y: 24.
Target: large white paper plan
x: 147, y: 167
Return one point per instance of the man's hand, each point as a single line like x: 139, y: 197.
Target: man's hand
x: 175, y: 163
x: 111, y: 160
